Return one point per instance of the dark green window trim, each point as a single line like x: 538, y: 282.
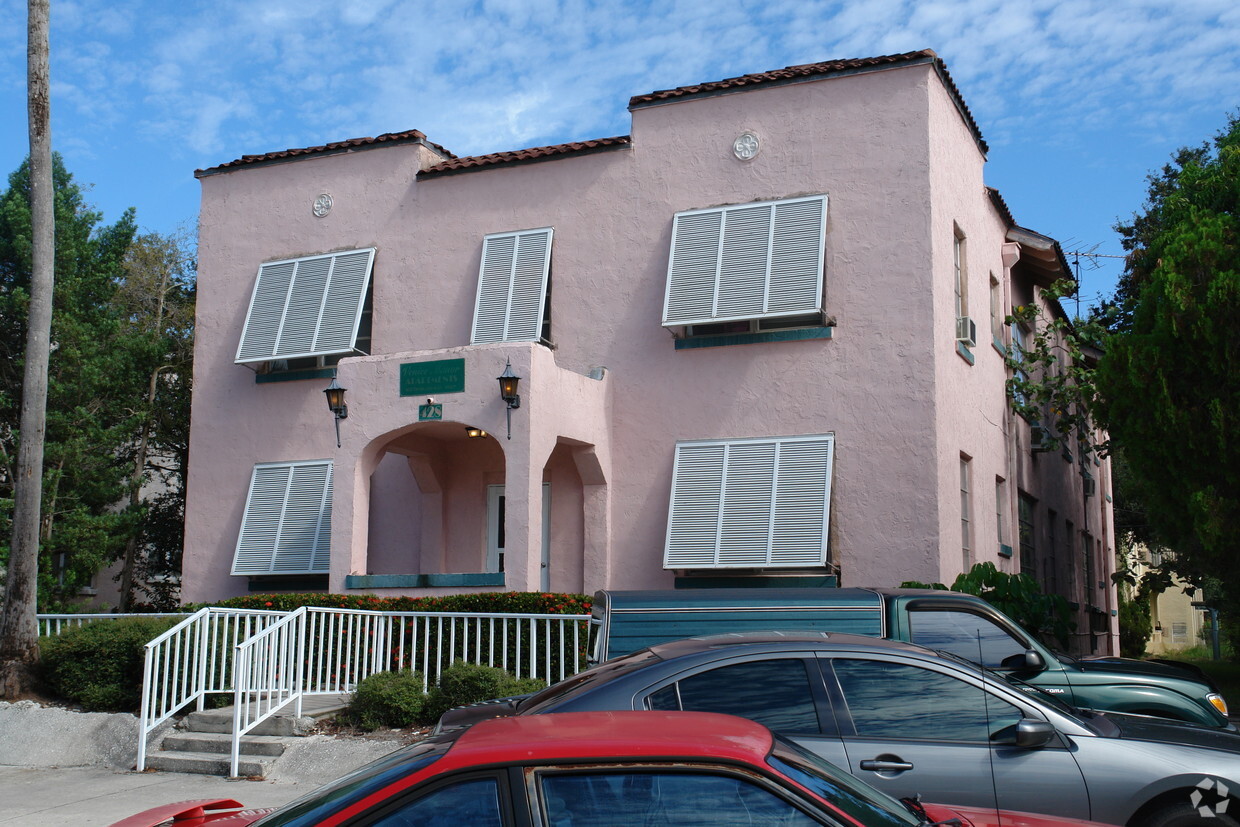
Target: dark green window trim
x: 964, y: 352
x: 798, y: 334
x: 808, y: 581
x: 263, y: 583
x: 1005, y: 550
x: 294, y: 375
x: 998, y: 345
x: 417, y: 581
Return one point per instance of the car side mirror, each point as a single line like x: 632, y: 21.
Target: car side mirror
x: 1031, y: 734
x: 1033, y: 660
x: 1029, y: 661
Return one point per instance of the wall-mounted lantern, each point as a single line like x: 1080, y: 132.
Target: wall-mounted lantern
x: 336, y: 404
x: 474, y: 432
x: 508, y: 392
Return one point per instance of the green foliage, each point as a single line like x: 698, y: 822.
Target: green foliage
x: 1169, y: 382
x: 99, y: 665
x: 1135, y: 627
x: 501, y: 602
x: 99, y: 407
x: 1045, y: 616
x: 387, y: 699
x: 466, y: 683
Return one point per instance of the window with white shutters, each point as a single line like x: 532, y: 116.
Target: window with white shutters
x: 750, y: 503
x: 286, y: 528
x: 306, y: 307
x: 749, y: 261
x: 512, y: 287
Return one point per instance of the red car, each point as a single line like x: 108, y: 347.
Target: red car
x: 594, y: 769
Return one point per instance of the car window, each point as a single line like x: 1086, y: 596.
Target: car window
x: 866, y: 804
x: 582, y: 681
x: 664, y: 799
x: 896, y: 700
x: 971, y: 636
x: 474, y: 802
x: 776, y: 693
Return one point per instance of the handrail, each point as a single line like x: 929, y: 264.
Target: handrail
x: 190, y: 661
x: 267, y: 677
x: 51, y: 624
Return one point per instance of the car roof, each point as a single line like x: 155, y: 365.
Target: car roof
x: 608, y: 736
x: 776, y: 640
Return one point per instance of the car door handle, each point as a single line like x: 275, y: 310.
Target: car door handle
x: 874, y: 765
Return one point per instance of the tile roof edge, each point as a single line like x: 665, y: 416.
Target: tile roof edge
x: 412, y: 136
x: 573, y: 149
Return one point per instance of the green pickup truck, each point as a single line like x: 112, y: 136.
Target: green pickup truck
x: 962, y: 624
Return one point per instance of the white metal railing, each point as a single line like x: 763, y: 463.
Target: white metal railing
x: 320, y: 651
x: 54, y: 624
x: 192, y: 660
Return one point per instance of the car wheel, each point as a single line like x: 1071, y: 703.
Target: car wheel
x: 1185, y: 814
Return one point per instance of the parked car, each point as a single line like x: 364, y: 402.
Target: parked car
x: 595, y: 769
x: 956, y: 622
x: 910, y: 721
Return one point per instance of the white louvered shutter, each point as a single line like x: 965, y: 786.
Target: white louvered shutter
x: 748, y: 261
x: 286, y: 528
x: 751, y: 503
x: 512, y: 286
x: 306, y: 307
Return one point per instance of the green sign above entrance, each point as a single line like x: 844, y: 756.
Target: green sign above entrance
x: 430, y: 378
x: 430, y: 413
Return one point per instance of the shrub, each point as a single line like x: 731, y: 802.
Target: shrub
x: 514, y: 602
x: 391, y: 699
x: 466, y: 683
x: 99, y: 665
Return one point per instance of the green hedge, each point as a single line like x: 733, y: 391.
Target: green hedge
x: 506, y: 602
x: 395, y: 699
x: 99, y: 665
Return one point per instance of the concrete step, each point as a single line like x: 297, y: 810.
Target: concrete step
x: 221, y: 720
x: 209, y: 763
x: 217, y: 742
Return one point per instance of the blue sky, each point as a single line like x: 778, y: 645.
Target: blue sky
x: 1078, y: 101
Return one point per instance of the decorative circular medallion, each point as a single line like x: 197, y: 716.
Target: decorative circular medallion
x: 322, y: 205
x: 746, y: 146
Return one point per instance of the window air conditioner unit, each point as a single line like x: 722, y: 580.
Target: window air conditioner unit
x: 966, y: 331
x: 1039, y: 439
x: 1090, y: 485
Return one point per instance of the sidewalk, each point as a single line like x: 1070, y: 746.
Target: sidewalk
x: 60, y: 768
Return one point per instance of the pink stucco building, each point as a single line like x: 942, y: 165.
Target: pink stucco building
x: 760, y: 339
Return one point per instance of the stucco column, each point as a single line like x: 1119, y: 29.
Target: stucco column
x: 596, y: 494
x: 352, y: 465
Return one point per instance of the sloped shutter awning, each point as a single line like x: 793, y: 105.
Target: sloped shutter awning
x: 512, y: 286
x: 748, y: 261
x: 750, y: 503
x: 286, y: 528
x: 306, y: 307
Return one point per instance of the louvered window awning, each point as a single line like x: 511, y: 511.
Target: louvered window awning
x: 512, y: 286
x: 750, y: 503
x: 748, y: 261
x: 306, y: 307
x: 287, y: 524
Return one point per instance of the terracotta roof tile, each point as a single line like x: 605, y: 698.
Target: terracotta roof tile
x: 812, y: 71
x: 411, y: 136
x: 524, y: 156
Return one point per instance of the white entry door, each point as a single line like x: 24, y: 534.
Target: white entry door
x: 495, y: 533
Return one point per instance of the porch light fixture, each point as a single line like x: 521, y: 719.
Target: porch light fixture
x: 336, y: 404
x: 474, y: 432
x: 508, y: 391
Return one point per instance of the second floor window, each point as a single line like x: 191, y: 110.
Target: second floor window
x: 751, y: 261
x: 513, y: 286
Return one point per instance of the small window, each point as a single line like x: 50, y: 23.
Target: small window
x: 750, y: 503
x: 305, y: 308
x: 1001, y: 509
x: 514, y: 288
x: 775, y: 693
x: 966, y: 515
x: 750, y: 261
x: 996, y: 309
x: 894, y: 700
x: 960, y: 275
x: 1027, y: 508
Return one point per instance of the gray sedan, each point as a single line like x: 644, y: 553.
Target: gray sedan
x: 910, y: 721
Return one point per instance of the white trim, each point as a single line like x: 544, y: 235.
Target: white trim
x: 309, y: 306
x: 746, y: 261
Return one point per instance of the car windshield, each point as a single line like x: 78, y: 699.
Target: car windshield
x: 316, y: 805
x: 598, y: 674
x: 859, y: 800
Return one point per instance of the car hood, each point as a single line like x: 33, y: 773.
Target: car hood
x: 1164, y: 731
x: 464, y: 716
x: 1150, y: 668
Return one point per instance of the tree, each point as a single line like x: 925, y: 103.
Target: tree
x: 19, y: 647
x: 1169, y: 381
